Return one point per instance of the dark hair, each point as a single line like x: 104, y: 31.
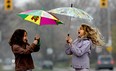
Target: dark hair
x: 17, y: 37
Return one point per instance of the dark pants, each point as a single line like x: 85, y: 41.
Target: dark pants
x: 81, y: 69
x: 23, y: 70
x: 29, y: 70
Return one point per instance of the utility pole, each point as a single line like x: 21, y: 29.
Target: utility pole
x: 105, y: 24
x: 109, y: 44
x: 0, y: 36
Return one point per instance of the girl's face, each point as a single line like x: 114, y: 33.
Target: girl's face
x: 25, y: 37
x: 80, y: 32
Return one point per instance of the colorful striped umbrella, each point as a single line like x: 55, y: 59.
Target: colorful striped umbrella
x: 40, y: 17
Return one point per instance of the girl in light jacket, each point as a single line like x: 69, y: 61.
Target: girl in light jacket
x: 80, y: 48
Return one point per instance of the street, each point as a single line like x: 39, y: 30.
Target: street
x: 70, y: 69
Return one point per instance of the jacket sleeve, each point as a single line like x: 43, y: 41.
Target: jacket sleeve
x: 37, y: 48
x: 20, y: 50
x: 79, y: 51
x: 68, y: 49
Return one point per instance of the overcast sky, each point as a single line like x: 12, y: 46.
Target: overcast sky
x: 21, y: 3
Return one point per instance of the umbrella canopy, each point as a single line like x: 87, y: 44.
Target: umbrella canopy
x: 40, y: 17
x: 71, y: 11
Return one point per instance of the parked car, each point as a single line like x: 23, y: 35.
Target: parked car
x: 47, y: 64
x: 105, y: 62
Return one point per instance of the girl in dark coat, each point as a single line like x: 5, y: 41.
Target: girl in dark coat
x: 22, y: 50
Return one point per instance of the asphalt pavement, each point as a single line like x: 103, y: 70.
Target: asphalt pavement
x: 71, y: 69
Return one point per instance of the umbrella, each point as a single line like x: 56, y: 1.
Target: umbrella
x: 72, y: 12
x: 40, y: 17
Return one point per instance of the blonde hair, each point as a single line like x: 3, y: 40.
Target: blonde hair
x: 93, y: 34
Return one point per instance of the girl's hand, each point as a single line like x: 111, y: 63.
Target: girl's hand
x: 68, y: 40
x: 36, y: 39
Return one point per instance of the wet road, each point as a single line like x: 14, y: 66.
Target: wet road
x: 71, y: 69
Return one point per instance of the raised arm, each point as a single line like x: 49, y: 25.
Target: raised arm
x: 18, y: 49
x: 68, y: 49
x: 79, y: 51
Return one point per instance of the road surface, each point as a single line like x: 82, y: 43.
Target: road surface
x: 71, y: 69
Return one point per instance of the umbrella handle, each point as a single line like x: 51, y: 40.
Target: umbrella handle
x: 68, y: 34
x: 71, y: 5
